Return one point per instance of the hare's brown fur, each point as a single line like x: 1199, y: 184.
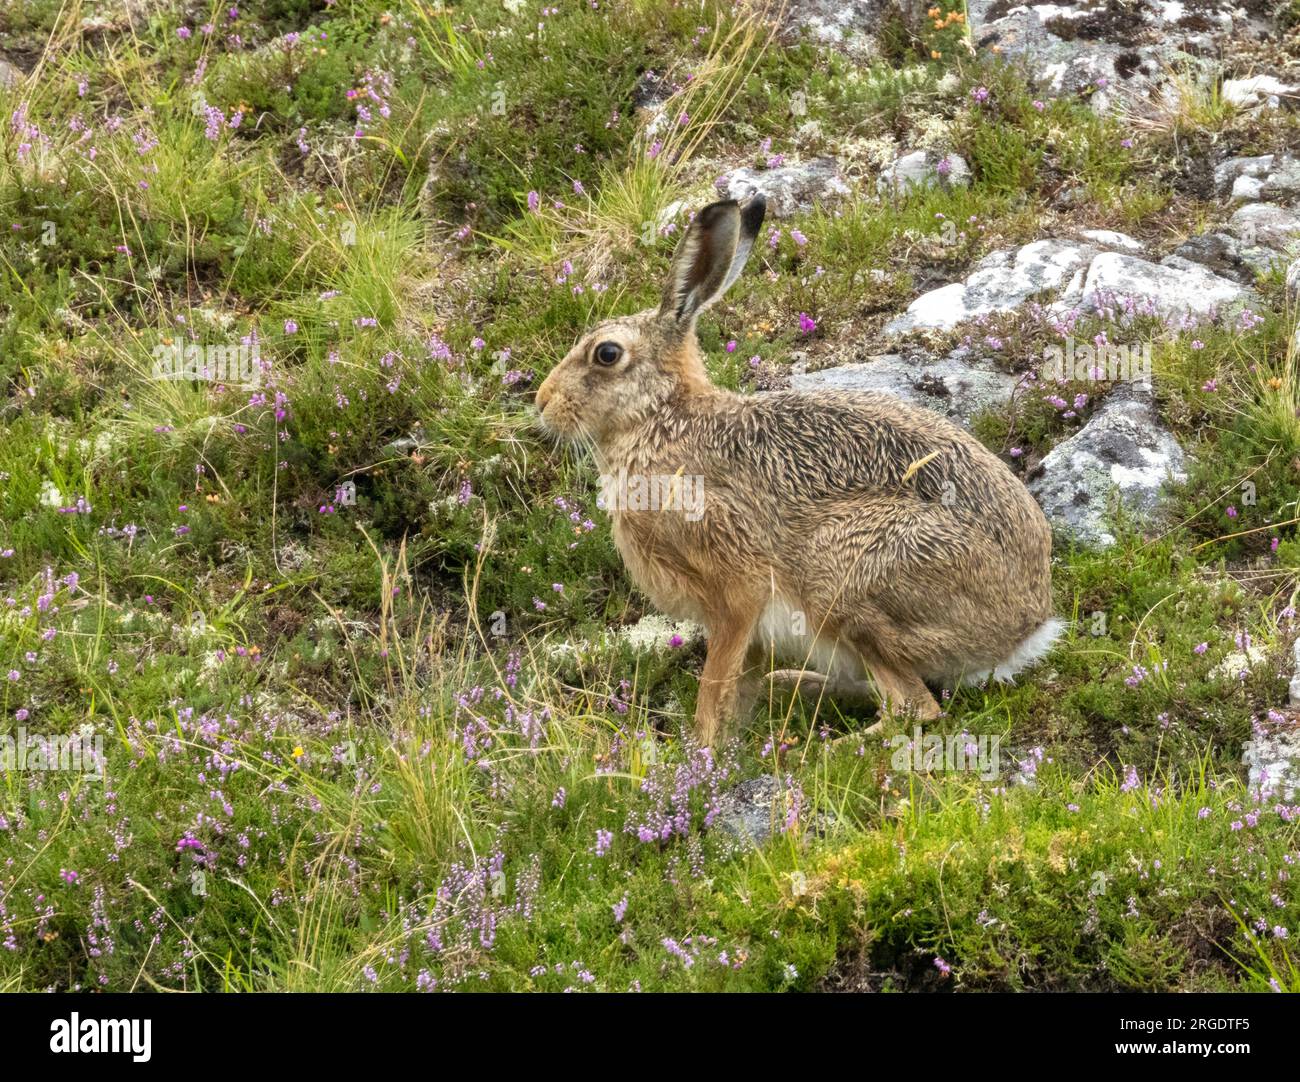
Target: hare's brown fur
x: 893, y: 538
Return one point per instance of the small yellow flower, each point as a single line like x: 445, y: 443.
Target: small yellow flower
x: 298, y: 753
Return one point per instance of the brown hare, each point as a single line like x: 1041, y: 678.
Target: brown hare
x: 872, y: 538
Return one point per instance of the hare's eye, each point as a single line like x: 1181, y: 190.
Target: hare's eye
x: 608, y: 353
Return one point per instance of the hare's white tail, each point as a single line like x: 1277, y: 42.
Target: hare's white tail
x: 1031, y: 650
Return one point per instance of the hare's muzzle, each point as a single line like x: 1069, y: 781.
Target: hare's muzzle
x: 544, y: 393
x: 541, y: 398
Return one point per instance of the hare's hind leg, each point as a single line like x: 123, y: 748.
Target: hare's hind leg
x: 815, y: 685
x: 900, y: 688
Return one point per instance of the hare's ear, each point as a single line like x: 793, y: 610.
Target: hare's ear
x: 710, y: 257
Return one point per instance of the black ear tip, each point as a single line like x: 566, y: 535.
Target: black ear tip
x: 710, y: 214
x: 753, y: 212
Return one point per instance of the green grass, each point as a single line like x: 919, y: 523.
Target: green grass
x: 371, y: 745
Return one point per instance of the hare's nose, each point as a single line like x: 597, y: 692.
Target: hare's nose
x: 543, y: 395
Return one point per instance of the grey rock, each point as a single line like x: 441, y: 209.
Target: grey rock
x: 1256, y: 90
x: 849, y: 25
x: 1122, y: 454
x: 1223, y: 254
x: 948, y: 385
x: 1283, y: 181
x: 1266, y: 225
x: 1108, y: 238
x: 1182, y: 263
x: 1081, y: 276
x: 789, y: 189
x: 1188, y: 288
x: 1246, y: 189
x: 1272, y: 762
x: 1227, y: 173
x: 1293, y: 282
x: 10, y: 75
x: 1001, y: 282
x: 924, y: 169
x: 1060, y: 64
x: 1070, y: 197
x: 650, y: 91
x: 753, y: 810
x: 1261, y: 259
x: 404, y: 445
x: 1214, y: 250
x: 1070, y: 45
